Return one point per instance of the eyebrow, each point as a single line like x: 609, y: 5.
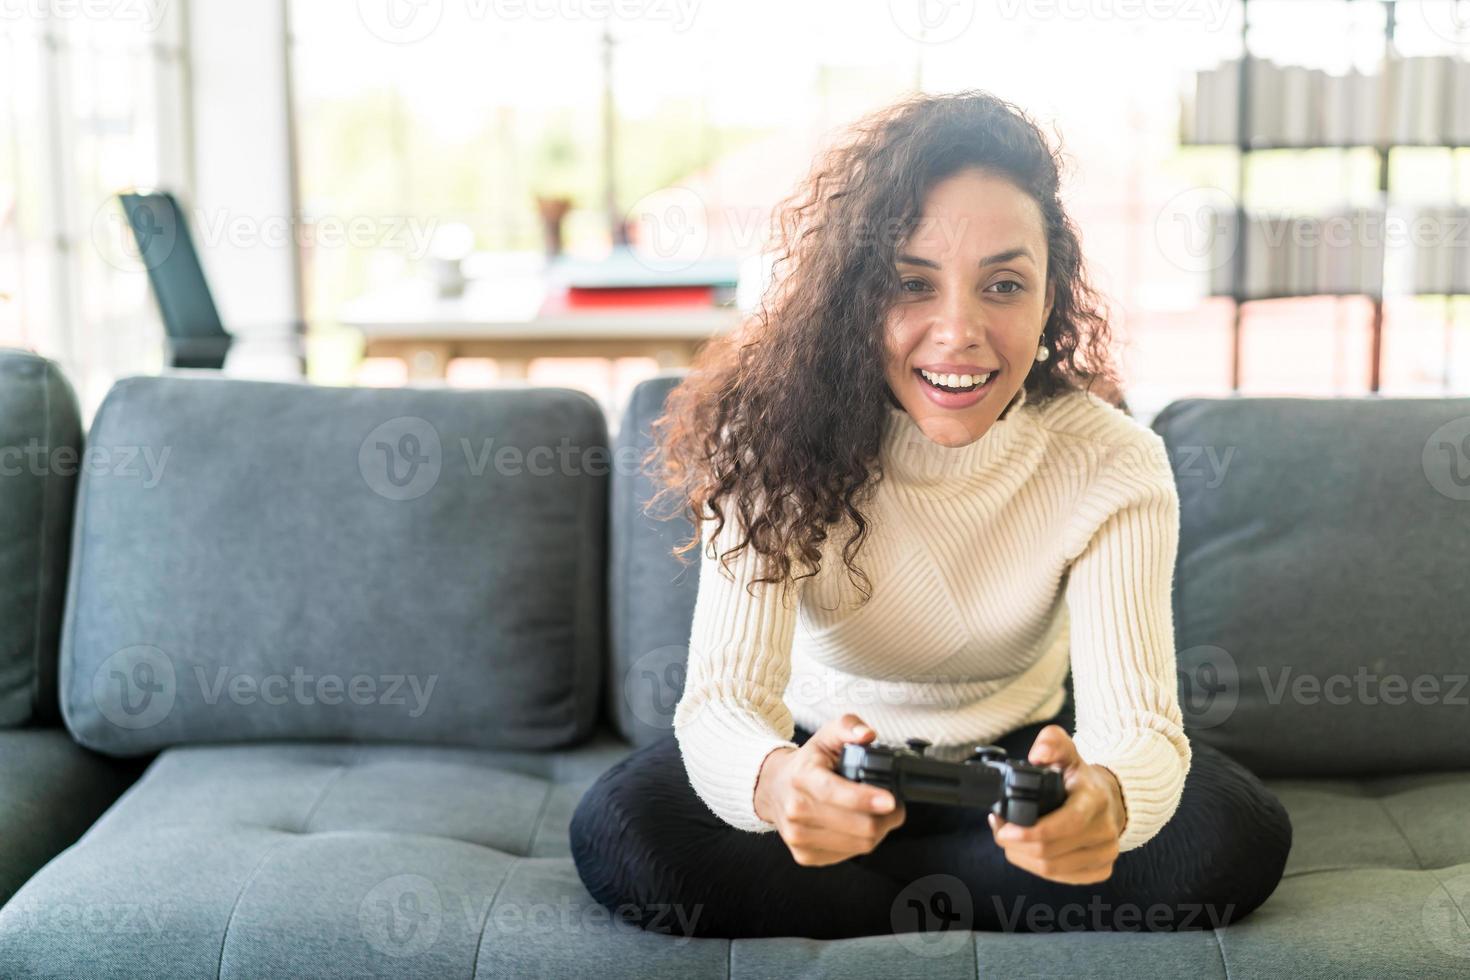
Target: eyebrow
x: 1011, y: 253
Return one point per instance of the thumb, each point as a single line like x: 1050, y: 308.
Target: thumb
x: 836, y: 733
x: 1053, y: 747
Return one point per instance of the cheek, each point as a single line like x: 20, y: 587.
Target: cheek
x: 900, y: 336
x: 1019, y: 339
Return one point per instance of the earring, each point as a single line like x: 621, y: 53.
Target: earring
x: 1043, y: 352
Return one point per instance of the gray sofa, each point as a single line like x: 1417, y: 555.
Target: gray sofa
x: 373, y: 646
x: 51, y: 788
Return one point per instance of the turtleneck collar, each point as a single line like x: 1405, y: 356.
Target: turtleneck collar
x: 912, y: 456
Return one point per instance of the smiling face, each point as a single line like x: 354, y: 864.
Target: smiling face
x: 973, y: 300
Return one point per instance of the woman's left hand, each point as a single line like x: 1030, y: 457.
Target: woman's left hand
x: 1076, y: 843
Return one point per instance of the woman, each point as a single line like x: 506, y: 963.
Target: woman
x: 919, y: 387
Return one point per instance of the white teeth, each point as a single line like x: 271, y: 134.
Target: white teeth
x: 956, y: 380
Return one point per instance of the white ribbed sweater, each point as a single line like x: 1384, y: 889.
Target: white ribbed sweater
x: 1050, y: 539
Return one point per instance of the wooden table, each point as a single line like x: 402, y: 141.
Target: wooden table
x: 502, y: 320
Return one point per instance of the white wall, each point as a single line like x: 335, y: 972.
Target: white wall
x: 242, y: 213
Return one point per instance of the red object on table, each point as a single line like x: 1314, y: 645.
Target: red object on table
x: 584, y: 299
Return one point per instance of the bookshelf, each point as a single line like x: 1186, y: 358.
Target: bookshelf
x: 1408, y: 102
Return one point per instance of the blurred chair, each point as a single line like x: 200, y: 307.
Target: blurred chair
x: 196, y: 337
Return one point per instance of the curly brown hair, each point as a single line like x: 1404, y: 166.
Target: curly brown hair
x: 793, y: 459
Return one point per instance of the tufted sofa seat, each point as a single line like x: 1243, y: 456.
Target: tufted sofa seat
x: 331, y: 859
x: 401, y: 860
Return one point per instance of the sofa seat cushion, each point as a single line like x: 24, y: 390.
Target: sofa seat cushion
x: 1416, y: 821
x: 51, y: 789
x: 337, y: 859
x: 1377, y: 884
x: 308, y: 858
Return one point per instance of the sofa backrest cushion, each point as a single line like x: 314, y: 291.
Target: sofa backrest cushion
x: 40, y: 456
x: 651, y: 593
x: 283, y: 560
x: 1322, y: 580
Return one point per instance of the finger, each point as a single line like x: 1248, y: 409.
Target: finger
x: 1053, y: 747
x: 816, y: 857
x: 863, y: 829
x: 1069, y: 820
x: 1073, y: 818
x: 825, y: 785
x: 825, y: 837
x: 1051, y: 850
x: 831, y: 737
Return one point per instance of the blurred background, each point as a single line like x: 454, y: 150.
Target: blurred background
x: 1273, y: 195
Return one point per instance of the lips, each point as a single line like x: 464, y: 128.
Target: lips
x: 955, y: 399
x: 954, y: 390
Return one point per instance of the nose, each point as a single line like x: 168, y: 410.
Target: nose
x: 958, y: 325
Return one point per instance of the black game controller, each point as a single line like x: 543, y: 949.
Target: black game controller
x: 1012, y: 789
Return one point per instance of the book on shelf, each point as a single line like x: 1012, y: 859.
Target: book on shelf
x: 1420, y: 100
x: 1336, y: 253
x: 1440, y: 252
x: 1266, y: 117
x: 1366, y: 126
x: 1416, y: 94
x: 1456, y: 121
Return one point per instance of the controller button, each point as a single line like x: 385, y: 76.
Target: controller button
x: 1025, y: 780
x: 918, y: 744
x: 1022, y: 812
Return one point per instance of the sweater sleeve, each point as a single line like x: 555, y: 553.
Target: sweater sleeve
x: 1122, y: 634
x: 731, y: 714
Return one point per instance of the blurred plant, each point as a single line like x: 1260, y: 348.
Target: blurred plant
x: 556, y: 165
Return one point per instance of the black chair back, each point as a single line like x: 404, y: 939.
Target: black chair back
x: 196, y: 337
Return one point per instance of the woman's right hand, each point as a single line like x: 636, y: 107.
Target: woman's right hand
x: 823, y: 817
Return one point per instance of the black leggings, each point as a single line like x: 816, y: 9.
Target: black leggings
x: 648, y: 849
